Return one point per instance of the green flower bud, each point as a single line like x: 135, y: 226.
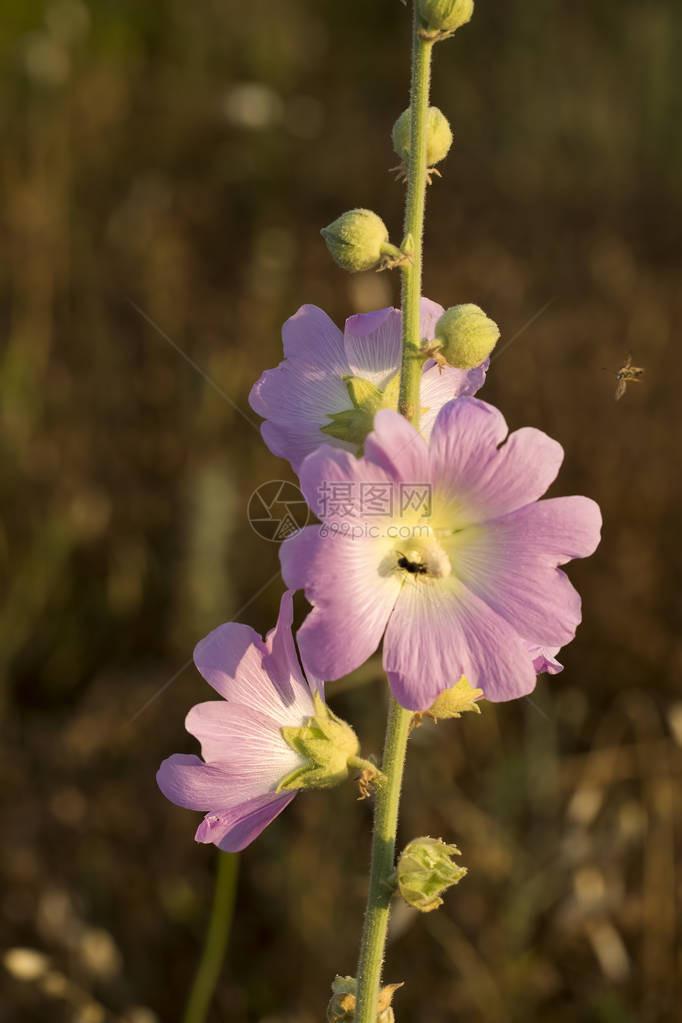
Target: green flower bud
x: 446, y: 15
x: 425, y: 871
x: 327, y: 744
x: 358, y: 240
x: 466, y: 336
x: 438, y: 136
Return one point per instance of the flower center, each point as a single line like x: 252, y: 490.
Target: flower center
x: 423, y: 559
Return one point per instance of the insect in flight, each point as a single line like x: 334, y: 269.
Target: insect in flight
x: 627, y: 374
x: 413, y: 567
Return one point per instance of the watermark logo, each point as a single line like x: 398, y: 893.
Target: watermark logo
x: 351, y: 499
x: 416, y: 497
x: 276, y: 510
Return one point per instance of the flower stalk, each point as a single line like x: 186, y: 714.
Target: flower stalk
x: 213, y: 955
x: 399, y: 719
x: 412, y: 355
x: 382, y: 867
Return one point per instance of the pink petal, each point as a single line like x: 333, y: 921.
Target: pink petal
x: 429, y: 315
x: 296, y: 444
x: 440, y: 386
x: 562, y: 528
x: 309, y: 335
x: 464, y: 430
x: 338, y: 486
x: 230, y: 650
x: 372, y: 345
x: 503, y: 563
x: 398, y: 448
x: 439, y: 632
x: 231, y: 660
x: 187, y: 781
x: 297, y: 399
x: 232, y: 830
x: 299, y: 394
x: 373, y: 341
x: 243, y: 741
x: 544, y: 660
x: 352, y: 588
x: 482, y: 480
x: 282, y: 665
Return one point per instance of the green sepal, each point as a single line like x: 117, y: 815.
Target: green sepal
x: 407, y: 245
x: 363, y: 392
x: 454, y: 702
x: 326, y: 744
x: 391, y: 393
x: 354, y: 424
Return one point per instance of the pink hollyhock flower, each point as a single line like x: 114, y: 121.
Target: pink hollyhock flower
x: 444, y: 550
x: 330, y: 385
x: 245, y: 754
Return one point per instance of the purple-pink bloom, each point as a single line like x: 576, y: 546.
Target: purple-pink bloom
x: 468, y: 585
x: 244, y: 754
x: 301, y: 397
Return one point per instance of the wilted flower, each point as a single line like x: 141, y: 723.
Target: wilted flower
x: 426, y: 870
x: 444, y: 550
x: 331, y: 384
x: 270, y: 735
x: 341, y: 1008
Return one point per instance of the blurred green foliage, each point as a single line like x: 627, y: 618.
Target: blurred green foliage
x: 183, y: 157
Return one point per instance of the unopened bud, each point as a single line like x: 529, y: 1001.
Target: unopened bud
x: 425, y: 871
x: 446, y: 15
x: 328, y: 748
x: 438, y: 136
x: 358, y: 240
x: 466, y: 336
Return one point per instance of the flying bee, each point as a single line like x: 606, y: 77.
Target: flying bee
x: 413, y: 567
x: 627, y: 374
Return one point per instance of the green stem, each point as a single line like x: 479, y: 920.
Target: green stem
x: 383, y: 852
x: 412, y: 358
x: 398, y: 725
x: 216, y: 939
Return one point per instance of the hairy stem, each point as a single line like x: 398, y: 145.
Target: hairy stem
x: 412, y: 359
x: 397, y: 728
x: 383, y: 852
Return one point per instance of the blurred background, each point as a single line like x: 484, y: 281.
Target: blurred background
x: 181, y: 158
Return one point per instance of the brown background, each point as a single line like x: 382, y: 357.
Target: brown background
x: 183, y: 157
